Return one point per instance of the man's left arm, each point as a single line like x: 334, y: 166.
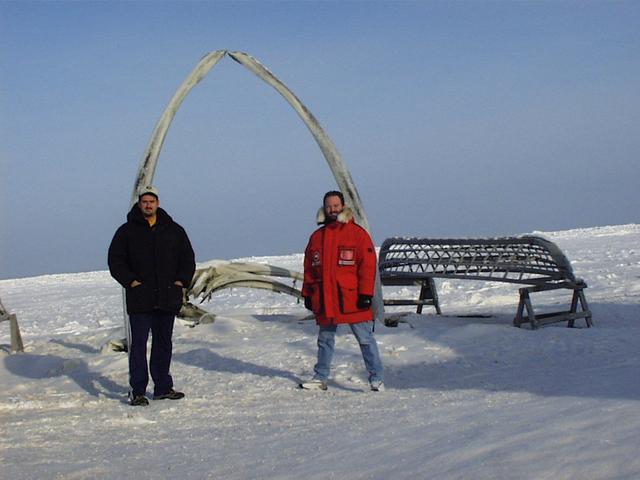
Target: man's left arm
x: 186, y: 261
x: 366, y: 265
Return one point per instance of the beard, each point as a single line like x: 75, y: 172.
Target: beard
x: 330, y: 218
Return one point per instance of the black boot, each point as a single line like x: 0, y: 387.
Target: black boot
x: 171, y: 395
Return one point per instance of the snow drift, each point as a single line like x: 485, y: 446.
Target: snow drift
x: 467, y: 397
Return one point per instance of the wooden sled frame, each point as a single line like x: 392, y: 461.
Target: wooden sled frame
x: 529, y: 260
x: 16, y: 338
x: 570, y: 315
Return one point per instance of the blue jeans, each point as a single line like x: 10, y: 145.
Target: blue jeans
x: 161, y: 326
x: 364, y: 334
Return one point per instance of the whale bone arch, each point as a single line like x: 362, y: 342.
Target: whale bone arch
x: 147, y: 168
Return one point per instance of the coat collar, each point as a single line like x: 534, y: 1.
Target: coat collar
x: 345, y: 216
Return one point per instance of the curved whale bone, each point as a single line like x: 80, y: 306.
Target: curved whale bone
x: 223, y: 274
x: 193, y: 315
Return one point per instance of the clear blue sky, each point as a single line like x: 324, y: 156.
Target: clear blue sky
x: 455, y: 118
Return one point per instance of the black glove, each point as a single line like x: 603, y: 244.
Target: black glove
x: 307, y: 303
x: 364, y: 302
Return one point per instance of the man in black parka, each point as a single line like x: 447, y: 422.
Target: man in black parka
x: 152, y: 258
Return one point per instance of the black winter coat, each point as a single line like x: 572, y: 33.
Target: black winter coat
x: 155, y: 256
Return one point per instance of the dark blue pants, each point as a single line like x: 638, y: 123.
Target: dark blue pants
x: 161, y: 326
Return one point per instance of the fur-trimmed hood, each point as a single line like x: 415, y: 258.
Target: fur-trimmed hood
x: 344, y: 217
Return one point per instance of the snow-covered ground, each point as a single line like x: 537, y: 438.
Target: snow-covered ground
x: 467, y: 398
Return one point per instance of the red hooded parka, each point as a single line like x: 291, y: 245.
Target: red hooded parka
x: 339, y: 265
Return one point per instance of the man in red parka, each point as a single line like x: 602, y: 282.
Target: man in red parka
x: 339, y: 281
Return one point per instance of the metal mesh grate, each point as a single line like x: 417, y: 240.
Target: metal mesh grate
x: 528, y: 259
